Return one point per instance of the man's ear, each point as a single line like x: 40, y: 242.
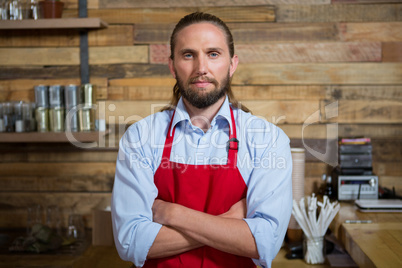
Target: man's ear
x: 171, y: 68
x: 233, y: 65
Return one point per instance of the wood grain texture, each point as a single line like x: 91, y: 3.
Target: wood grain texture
x: 70, y: 56
x: 59, y: 183
x: 310, y: 52
x: 360, y: 111
x: 363, y: 1
x: 173, y: 14
x: 143, y: 81
x: 249, y: 33
x: 320, y: 130
x: 57, y: 169
x: 364, y: 92
x: 374, y: 245
x: 113, y: 35
x: 388, y: 168
x: 325, y: 73
x: 392, y: 52
x: 389, y: 131
x: 159, y: 53
x: 207, y: 3
x: 14, y: 206
x: 340, y: 13
x: 246, y: 33
x: 112, y: 71
x: 371, y: 31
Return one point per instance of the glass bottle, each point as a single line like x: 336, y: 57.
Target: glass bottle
x: 19, y: 120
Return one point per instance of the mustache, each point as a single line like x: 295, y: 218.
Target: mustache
x: 203, y: 78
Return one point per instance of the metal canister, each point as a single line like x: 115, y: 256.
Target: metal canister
x: 87, y: 118
x: 42, y: 108
x: 87, y: 111
x: 88, y: 94
x: 72, y: 100
x: 56, y: 96
x: 42, y: 119
x: 42, y: 96
x: 56, y: 112
x: 56, y: 117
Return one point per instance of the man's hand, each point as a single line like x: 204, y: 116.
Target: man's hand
x: 161, y: 210
x: 169, y: 241
x: 227, y: 232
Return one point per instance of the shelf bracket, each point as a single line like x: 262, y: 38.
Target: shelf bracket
x: 84, y: 58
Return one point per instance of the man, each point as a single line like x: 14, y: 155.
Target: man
x: 203, y: 183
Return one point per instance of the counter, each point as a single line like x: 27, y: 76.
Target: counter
x: 375, y: 244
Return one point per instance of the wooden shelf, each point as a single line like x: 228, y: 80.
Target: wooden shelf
x: 49, y: 137
x: 67, y: 23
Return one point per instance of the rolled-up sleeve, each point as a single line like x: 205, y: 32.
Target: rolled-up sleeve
x: 133, y: 195
x: 269, y: 197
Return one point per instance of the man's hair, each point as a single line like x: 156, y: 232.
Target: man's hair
x: 194, y: 18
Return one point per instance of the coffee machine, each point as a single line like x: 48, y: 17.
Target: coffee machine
x: 353, y: 178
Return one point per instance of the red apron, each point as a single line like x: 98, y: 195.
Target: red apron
x: 212, y: 189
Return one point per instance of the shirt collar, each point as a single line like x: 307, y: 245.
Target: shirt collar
x: 182, y: 115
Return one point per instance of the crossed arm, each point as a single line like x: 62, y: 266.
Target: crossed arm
x: 185, y: 229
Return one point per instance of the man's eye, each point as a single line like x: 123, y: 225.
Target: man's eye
x: 188, y: 56
x: 213, y: 55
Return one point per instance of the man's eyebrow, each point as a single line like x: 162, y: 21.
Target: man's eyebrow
x: 218, y: 49
x: 190, y: 50
x: 186, y: 50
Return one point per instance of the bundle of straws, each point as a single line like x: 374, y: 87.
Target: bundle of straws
x: 313, y: 228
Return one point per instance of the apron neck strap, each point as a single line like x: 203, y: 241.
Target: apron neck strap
x: 233, y: 142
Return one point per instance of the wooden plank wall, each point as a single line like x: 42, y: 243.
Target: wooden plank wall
x: 296, y: 59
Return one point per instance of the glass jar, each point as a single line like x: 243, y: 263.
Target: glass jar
x: 19, y: 119
x: 12, y: 10
x: 31, y: 9
x: 314, y: 249
x: 8, y: 117
x: 28, y: 111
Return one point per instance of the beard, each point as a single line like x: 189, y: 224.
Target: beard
x: 199, y: 97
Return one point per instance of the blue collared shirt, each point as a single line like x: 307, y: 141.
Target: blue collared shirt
x: 264, y: 161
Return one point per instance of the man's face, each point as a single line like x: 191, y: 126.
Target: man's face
x: 202, y: 64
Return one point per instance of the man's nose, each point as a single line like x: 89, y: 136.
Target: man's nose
x: 202, y: 66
